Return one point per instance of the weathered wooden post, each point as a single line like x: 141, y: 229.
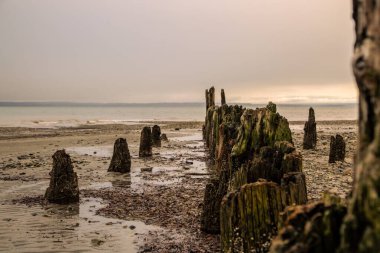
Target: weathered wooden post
x: 121, y: 158
x: 223, y: 97
x: 325, y: 228
x: 361, y: 227
x: 310, y: 131
x: 267, y: 177
x: 211, y: 97
x: 156, y: 136
x: 145, y: 142
x: 337, y: 149
x: 249, y: 146
x: 310, y: 228
x: 63, y: 188
x: 207, y: 100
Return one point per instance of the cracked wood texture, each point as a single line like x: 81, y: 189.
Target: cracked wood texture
x: 361, y: 227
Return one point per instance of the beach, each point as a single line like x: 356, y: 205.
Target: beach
x: 155, y: 208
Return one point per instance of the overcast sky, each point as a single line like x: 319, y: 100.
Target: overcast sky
x: 171, y: 50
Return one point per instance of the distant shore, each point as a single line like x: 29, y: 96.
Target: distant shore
x: 55, y: 115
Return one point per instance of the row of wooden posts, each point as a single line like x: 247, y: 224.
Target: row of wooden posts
x: 337, y: 143
x: 63, y: 186
x: 246, y: 145
x: 258, y: 173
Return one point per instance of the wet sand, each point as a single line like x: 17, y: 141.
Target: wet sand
x: 144, y: 211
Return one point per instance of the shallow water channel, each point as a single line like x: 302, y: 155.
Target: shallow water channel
x: 77, y: 227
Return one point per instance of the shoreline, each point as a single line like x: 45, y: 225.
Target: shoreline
x: 169, y: 198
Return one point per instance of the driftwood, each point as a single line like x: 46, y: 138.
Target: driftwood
x: 121, y: 158
x: 63, y: 188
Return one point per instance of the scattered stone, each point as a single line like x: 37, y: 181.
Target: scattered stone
x: 146, y: 142
x: 156, y: 136
x: 310, y: 131
x: 147, y: 169
x: 63, y: 188
x: 97, y: 242
x: 121, y: 158
x: 23, y: 157
x: 164, y: 137
x: 337, y: 149
x: 347, y: 172
x: 132, y: 227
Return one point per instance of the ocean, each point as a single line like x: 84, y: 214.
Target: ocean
x: 55, y: 114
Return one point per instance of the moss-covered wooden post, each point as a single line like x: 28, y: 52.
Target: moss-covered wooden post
x: 266, y: 177
x: 312, y: 228
x: 211, y: 96
x: 361, y: 228
x: 323, y: 230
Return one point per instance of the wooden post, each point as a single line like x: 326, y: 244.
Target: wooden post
x: 121, y: 158
x: 63, y: 188
x: 145, y: 142
x: 310, y: 131
x: 223, y: 97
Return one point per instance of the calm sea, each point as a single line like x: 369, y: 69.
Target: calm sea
x: 72, y: 114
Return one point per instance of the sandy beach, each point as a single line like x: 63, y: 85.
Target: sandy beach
x: 155, y: 208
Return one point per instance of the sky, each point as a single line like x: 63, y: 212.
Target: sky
x: 134, y: 51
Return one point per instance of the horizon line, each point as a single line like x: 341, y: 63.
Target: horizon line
x: 31, y: 103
